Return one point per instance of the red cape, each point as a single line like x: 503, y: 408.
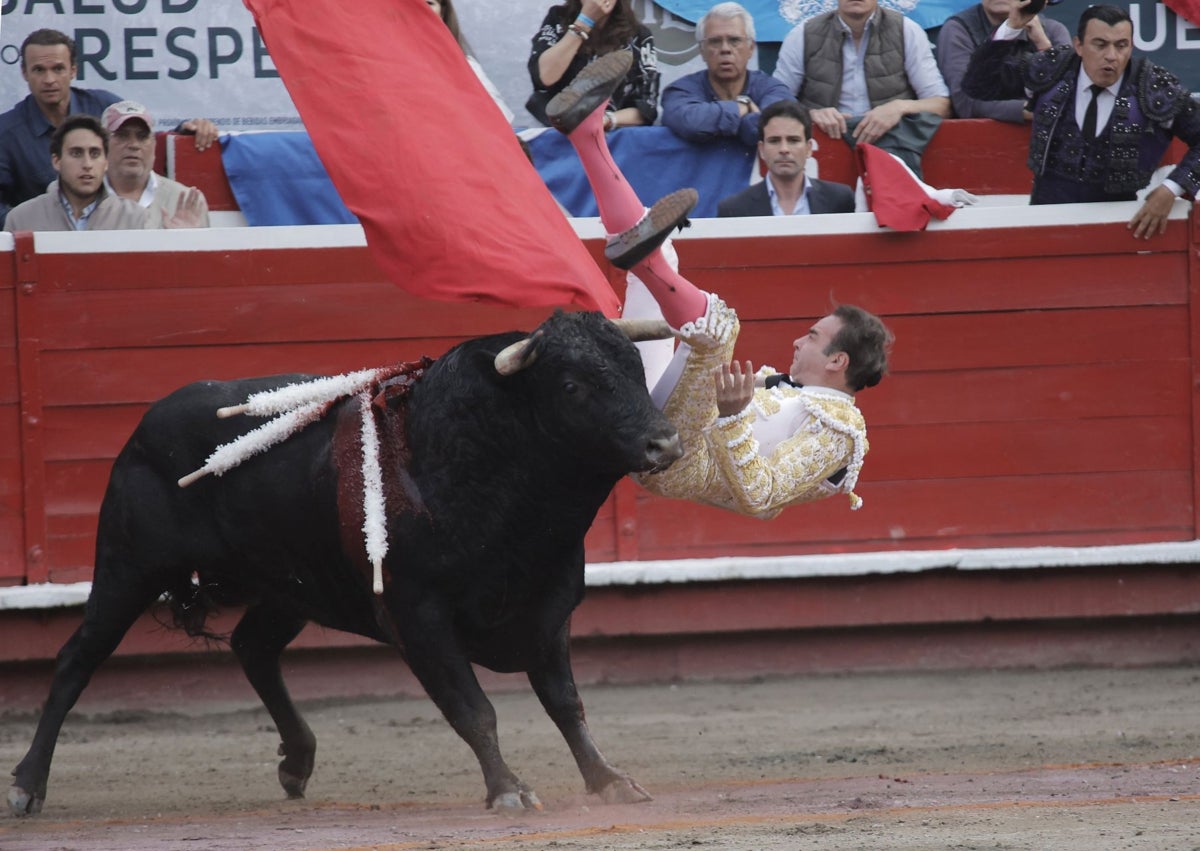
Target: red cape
x: 451, y: 207
x: 1189, y: 10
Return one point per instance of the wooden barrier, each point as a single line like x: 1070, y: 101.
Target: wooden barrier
x: 1043, y: 394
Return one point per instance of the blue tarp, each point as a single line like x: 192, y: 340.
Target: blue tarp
x: 278, y: 179
x: 655, y: 162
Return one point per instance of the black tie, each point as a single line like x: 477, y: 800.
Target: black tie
x: 1089, y: 115
x: 780, y: 378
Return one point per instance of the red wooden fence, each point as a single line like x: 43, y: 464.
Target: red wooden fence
x: 1042, y: 389
x: 1044, y: 392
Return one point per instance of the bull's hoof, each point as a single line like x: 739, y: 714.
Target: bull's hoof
x: 294, y: 771
x: 294, y: 786
x: 515, y: 802
x: 624, y: 790
x: 21, y: 803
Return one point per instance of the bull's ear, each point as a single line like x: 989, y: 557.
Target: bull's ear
x: 640, y: 330
x: 521, y: 354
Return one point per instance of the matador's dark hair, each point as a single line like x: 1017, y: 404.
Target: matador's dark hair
x: 866, y: 341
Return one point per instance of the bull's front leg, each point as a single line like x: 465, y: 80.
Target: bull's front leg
x: 439, y: 661
x: 554, y: 683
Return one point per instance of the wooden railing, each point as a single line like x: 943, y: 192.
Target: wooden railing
x: 1043, y: 386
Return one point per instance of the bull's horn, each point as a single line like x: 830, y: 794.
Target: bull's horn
x: 514, y: 358
x: 639, y: 330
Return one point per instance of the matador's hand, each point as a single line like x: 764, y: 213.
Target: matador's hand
x: 734, y: 386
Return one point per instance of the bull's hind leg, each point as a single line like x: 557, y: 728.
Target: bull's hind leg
x: 258, y: 641
x: 554, y: 684
x: 112, y: 608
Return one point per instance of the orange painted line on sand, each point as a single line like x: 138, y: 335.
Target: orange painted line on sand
x: 740, y: 821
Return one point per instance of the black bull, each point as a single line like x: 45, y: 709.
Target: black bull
x: 492, y: 481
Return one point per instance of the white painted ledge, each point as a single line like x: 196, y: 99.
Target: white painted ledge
x: 734, y: 569
x: 863, y: 564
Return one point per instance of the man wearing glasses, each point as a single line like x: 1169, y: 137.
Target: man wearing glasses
x: 867, y: 74
x: 723, y: 101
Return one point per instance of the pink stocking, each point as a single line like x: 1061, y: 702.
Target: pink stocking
x: 619, y: 206
x: 620, y: 209
x: 679, y: 298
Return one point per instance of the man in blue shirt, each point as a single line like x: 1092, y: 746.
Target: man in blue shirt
x: 48, y: 66
x: 725, y: 100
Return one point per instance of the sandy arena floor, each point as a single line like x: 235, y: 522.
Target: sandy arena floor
x: 1077, y: 760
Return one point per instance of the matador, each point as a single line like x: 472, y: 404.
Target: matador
x: 754, y: 442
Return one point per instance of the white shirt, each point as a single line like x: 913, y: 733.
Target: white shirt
x: 1105, y: 101
x: 772, y: 429
x: 147, y: 196
x: 80, y: 223
x: 802, y: 208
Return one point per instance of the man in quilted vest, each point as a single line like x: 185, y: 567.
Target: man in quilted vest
x: 867, y: 75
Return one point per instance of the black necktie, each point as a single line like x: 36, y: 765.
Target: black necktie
x: 1089, y: 115
x: 780, y: 378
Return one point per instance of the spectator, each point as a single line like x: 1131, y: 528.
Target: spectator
x: 572, y: 36
x: 964, y: 32
x: 131, y: 167
x: 897, y: 106
x: 445, y: 11
x: 785, y: 144
x: 725, y: 100
x: 78, y: 199
x: 1096, y: 135
x: 48, y: 66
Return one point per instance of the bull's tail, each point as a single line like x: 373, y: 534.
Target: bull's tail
x: 191, y: 603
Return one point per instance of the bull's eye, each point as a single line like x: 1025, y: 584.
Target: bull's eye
x: 570, y: 388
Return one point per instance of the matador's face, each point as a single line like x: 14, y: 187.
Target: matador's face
x: 811, y: 366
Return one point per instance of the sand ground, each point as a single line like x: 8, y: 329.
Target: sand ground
x: 1089, y: 759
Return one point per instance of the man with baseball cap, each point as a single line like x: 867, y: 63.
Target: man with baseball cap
x: 131, y: 170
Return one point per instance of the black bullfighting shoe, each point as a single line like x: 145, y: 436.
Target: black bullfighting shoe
x: 591, y: 88
x: 626, y: 250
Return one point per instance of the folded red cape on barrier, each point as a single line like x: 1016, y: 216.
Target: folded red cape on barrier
x: 894, y: 194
